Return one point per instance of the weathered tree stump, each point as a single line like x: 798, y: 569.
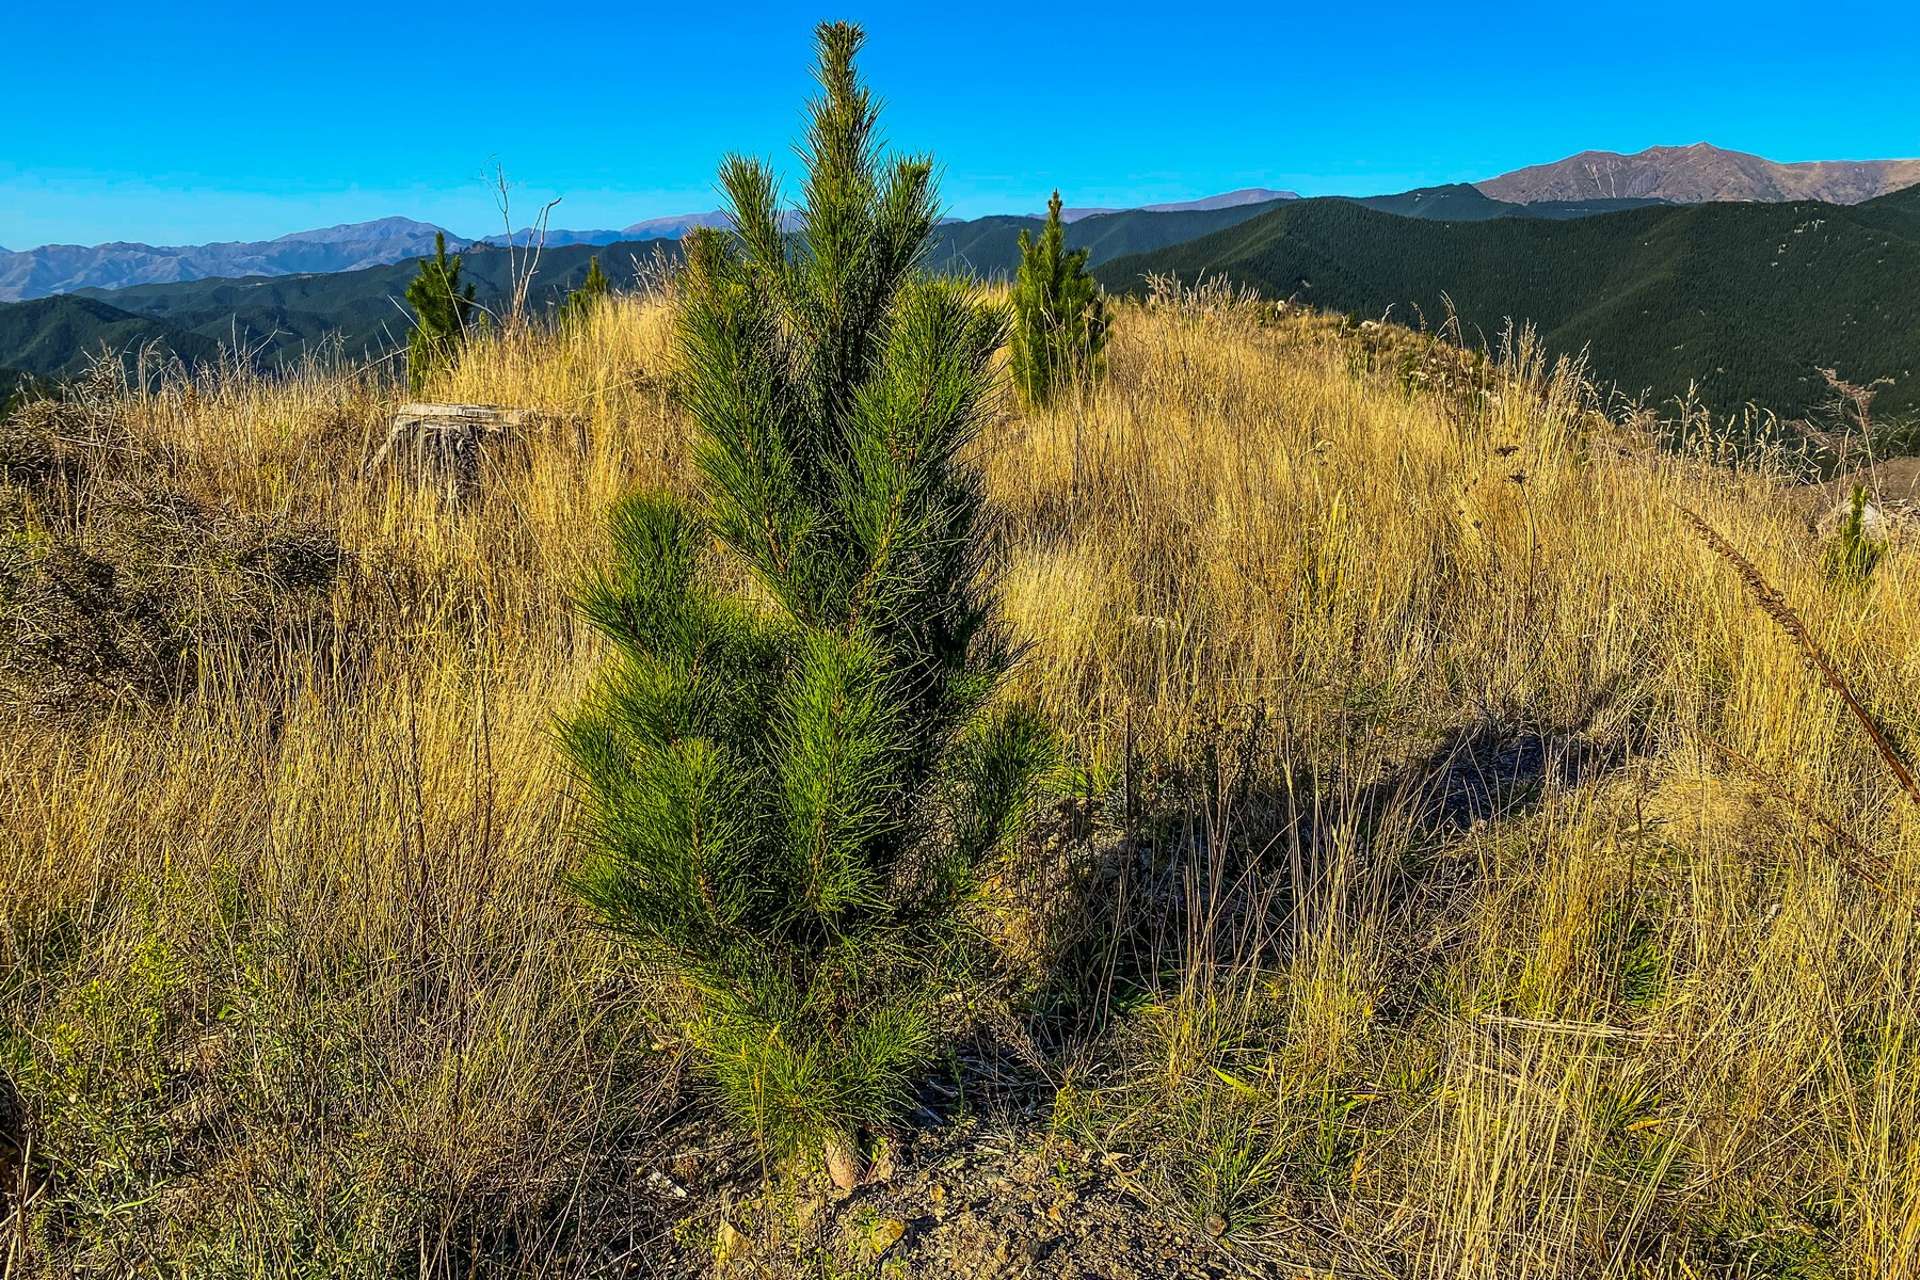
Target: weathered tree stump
x: 444, y: 442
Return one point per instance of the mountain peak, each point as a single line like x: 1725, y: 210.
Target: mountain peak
x: 1225, y: 200
x: 1700, y: 173
x: 377, y: 229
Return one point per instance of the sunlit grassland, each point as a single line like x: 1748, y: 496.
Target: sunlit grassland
x: 1461, y: 872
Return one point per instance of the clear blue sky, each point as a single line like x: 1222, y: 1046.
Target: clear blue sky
x: 184, y: 123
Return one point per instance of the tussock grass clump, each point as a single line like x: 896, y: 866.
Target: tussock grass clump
x: 1853, y: 549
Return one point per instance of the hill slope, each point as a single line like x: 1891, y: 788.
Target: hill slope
x: 1476, y: 680
x: 1750, y: 300
x: 990, y: 247
x: 1464, y: 202
x: 278, y: 318
x: 56, y: 337
x: 1699, y: 174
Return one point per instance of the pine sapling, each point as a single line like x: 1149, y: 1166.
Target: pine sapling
x: 790, y: 784
x: 442, y: 312
x: 581, y: 300
x: 1059, y: 313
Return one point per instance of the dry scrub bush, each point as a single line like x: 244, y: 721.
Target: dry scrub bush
x: 1450, y: 938
x: 115, y: 587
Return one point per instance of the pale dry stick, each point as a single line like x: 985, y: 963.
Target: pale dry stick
x: 1852, y: 404
x: 1582, y: 1030
x: 1775, y: 606
x: 521, y: 266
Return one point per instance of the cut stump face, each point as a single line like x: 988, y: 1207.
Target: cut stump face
x: 444, y: 442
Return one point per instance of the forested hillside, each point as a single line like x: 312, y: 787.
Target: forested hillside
x: 1748, y: 301
x: 1464, y: 202
x: 55, y: 337
x: 990, y: 247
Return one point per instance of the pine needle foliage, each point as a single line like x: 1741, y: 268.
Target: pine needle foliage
x: 442, y: 311
x: 1059, y: 313
x: 792, y: 767
x: 583, y: 298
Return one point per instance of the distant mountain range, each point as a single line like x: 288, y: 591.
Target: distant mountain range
x: 277, y: 318
x: 1225, y: 200
x: 1748, y: 300
x: 62, y: 268
x: 57, y: 269
x: 1593, y: 181
x: 1700, y: 174
x: 669, y: 228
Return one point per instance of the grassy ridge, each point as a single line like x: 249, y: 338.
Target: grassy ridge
x: 1417, y: 919
x: 1746, y: 300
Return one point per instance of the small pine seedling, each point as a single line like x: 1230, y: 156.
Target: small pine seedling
x: 581, y: 301
x: 1059, y: 313
x: 791, y: 766
x: 441, y: 315
x: 1853, y: 551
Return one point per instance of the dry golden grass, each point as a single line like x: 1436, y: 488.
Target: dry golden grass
x: 290, y: 985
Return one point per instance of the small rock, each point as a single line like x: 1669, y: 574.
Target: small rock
x: 729, y: 1244
x: 1216, y: 1225
x: 661, y: 1183
x: 884, y: 1234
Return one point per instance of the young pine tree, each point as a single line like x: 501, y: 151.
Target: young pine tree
x: 581, y: 301
x: 1059, y: 313
x: 1853, y: 550
x: 791, y: 766
x: 441, y: 311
